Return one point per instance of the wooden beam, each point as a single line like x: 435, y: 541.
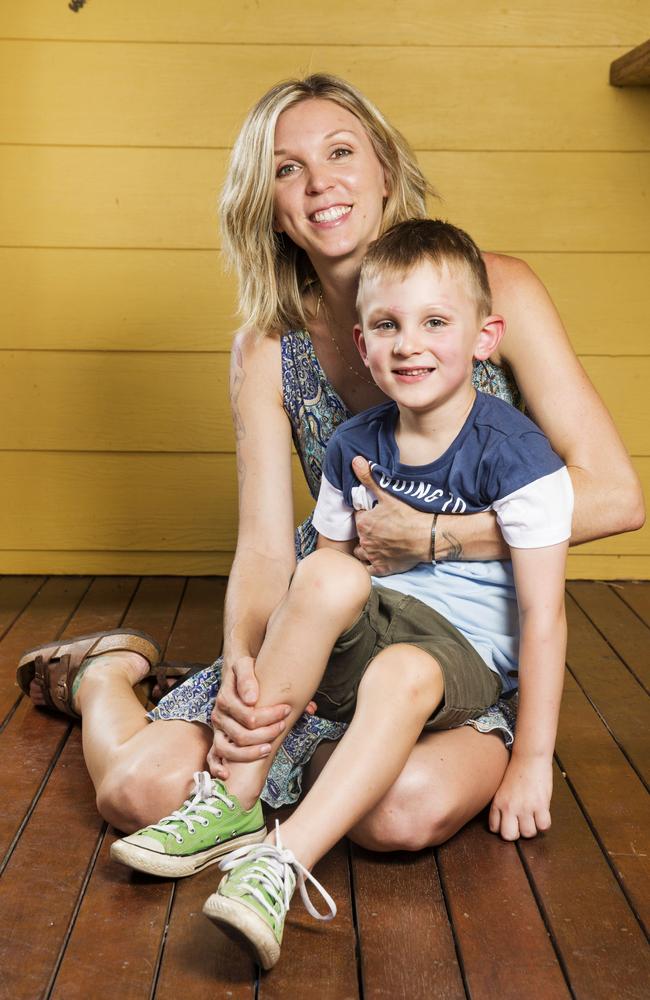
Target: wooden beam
x: 632, y: 69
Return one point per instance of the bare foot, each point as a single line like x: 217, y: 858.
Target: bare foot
x: 36, y: 694
x: 107, y: 666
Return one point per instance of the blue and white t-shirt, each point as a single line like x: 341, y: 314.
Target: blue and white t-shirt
x: 499, y: 461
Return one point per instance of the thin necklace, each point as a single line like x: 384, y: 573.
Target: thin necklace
x: 340, y: 353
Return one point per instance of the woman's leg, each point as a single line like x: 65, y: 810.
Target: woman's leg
x: 449, y: 777
x: 141, y: 770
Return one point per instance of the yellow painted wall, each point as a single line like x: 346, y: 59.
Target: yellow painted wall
x: 115, y: 319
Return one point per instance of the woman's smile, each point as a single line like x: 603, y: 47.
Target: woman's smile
x: 330, y: 216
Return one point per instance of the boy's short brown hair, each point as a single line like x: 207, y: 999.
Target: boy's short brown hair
x: 408, y: 244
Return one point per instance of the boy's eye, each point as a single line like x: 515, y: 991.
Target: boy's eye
x: 435, y: 322
x: 385, y: 324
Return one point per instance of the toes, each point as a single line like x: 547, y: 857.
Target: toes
x: 36, y: 693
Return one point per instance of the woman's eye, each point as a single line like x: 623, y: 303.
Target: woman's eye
x: 286, y: 170
x: 341, y: 152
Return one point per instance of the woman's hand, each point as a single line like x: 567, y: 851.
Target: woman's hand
x: 521, y: 806
x: 242, y: 731
x: 393, y: 537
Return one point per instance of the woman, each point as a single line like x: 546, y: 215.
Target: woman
x: 315, y: 175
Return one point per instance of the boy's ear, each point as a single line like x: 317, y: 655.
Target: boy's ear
x: 489, y: 337
x: 357, y: 335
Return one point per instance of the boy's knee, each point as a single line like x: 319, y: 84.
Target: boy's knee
x: 415, y: 675
x: 332, y: 579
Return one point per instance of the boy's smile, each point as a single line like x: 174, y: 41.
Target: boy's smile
x: 421, y: 332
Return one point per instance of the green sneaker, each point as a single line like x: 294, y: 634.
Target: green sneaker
x: 208, y: 825
x: 252, y: 901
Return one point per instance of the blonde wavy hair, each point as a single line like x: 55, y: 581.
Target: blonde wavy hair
x: 273, y: 272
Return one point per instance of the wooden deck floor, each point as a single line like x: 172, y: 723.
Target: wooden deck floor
x: 557, y: 917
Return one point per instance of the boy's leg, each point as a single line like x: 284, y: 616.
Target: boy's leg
x: 327, y: 594
x: 398, y: 692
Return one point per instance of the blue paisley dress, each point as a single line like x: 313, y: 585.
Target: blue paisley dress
x: 315, y: 410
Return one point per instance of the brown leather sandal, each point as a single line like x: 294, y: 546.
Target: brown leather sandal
x: 55, y: 665
x: 161, y: 681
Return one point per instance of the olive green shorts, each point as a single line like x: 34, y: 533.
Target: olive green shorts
x: 388, y: 618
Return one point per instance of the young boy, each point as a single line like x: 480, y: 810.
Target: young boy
x: 426, y: 649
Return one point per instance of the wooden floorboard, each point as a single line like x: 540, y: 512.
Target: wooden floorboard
x: 15, y: 594
x: 560, y: 916
x: 636, y: 594
x: 597, y: 936
x: 612, y: 689
x: 43, y: 619
x: 625, y: 632
x: 491, y: 903
x: 133, y: 934
x: 401, y: 911
x: 611, y: 795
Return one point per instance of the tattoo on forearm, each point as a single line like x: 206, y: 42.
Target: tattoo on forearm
x: 237, y: 376
x: 455, y: 548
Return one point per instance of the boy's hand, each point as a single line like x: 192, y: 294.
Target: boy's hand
x: 520, y: 807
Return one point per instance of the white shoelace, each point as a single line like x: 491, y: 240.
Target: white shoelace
x: 276, y: 877
x: 189, y: 813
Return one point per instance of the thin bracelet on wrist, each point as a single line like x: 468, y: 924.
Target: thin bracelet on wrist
x: 433, y: 539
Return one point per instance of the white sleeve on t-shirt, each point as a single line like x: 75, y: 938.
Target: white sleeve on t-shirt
x: 332, y: 517
x: 538, y: 514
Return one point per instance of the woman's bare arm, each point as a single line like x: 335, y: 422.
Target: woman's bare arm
x: 562, y: 400
x: 265, y: 557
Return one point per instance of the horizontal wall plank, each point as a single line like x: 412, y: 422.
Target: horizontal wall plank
x: 106, y: 563
x: 61, y: 501
x: 623, y: 384
x: 588, y: 287
x: 218, y: 564
x: 183, y: 95
x: 109, y: 197
x: 173, y: 300
x: 86, y: 401
x: 106, y: 300
x: 366, y: 22
x: 519, y: 202
x: 604, y: 567
x: 87, y: 197
x: 83, y: 401
x: 186, y: 503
